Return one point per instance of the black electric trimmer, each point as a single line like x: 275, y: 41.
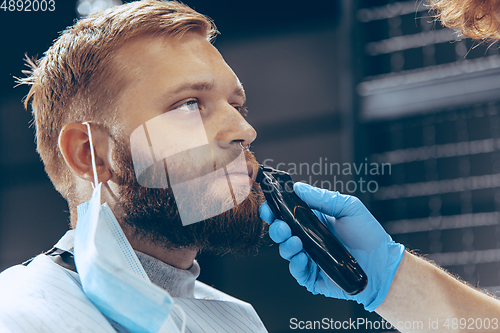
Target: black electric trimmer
x: 318, y: 241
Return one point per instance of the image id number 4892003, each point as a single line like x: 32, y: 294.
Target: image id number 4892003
x: 28, y: 5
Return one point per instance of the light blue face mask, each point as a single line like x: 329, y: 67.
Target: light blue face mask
x: 110, y: 272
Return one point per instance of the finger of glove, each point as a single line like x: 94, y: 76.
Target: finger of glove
x: 290, y: 247
x: 301, y: 267
x: 330, y: 203
x: 279, y: 231
x: 265, y: 213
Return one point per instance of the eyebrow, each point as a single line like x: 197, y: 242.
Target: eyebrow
x: 198, y: 86
x: 205, y: 86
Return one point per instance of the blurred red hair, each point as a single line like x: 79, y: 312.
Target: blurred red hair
x: 477, y: 19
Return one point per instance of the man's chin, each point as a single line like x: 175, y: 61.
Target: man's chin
x: 230, y: 196
x: 241, y: 227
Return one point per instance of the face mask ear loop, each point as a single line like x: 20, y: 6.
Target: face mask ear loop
x: 92, y: 154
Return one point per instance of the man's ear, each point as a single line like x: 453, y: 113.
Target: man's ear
x: 74, y: 144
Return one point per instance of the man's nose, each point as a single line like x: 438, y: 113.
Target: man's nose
x: 234, y: 129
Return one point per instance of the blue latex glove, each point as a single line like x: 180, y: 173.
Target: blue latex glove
x: 356, y: 228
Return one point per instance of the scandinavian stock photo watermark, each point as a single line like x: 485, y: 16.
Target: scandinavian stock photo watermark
x: 364, y: 324
x: 361, y: 176
x: 349, y: 324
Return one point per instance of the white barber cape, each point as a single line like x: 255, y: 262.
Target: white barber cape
x: 45, y: 297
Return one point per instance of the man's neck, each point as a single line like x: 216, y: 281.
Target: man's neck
x: 178, y: 282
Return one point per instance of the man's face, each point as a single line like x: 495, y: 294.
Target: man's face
x: 186, y: 103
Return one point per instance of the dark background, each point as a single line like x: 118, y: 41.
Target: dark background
x: 320, y: 86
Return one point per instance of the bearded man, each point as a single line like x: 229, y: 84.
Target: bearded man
x: 135, y: 108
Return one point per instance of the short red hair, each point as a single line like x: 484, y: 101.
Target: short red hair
x: 78, y: 80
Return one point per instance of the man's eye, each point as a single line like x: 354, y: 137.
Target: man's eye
x: 189, y: 106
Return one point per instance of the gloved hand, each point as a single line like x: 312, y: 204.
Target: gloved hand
x: 362, y: 235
